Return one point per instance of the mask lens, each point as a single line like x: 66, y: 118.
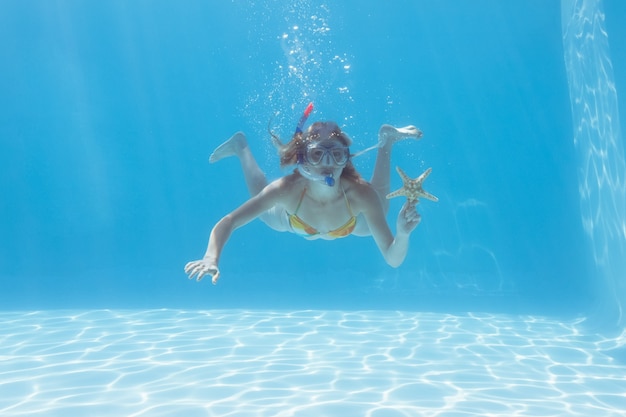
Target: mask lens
x: 315, y: 155
x: 340, y: 155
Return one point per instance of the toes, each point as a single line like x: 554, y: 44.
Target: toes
x: 410, y: 131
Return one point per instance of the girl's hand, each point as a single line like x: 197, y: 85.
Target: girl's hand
x: 408, y: 218
x: 202, y: 268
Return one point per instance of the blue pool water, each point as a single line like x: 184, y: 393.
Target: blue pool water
x: 510, y: 301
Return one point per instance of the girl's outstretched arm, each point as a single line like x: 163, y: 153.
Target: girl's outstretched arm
x: 248, y: 211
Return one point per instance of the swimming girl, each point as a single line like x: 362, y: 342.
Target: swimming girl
x: 324, y: 197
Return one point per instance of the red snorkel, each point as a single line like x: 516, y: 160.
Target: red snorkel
x: 305, y: 115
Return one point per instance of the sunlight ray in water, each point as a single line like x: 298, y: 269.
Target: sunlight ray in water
x: 598, y: 140
x: 303, y: 363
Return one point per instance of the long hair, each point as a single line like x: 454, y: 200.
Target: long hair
x: 293, y: 151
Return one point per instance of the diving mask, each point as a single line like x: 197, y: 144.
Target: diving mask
x: 316, y: 154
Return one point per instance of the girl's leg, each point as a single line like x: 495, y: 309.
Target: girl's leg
x: 237, y: 146
x: 387, y: 137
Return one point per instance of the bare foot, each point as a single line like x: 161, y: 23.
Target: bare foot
x: 388, y: 135
x: 232, y: 146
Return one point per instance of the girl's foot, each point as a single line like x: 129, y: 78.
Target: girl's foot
x: 388, y: 135
x: 232, y: 146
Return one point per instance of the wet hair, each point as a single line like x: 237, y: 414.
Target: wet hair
x: 293, y: 151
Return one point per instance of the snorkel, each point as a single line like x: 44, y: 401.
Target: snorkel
x: 305, y: 115
x: 302, y: 167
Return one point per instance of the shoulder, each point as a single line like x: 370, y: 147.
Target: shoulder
x: 282, y: 188
x: 286, y: 183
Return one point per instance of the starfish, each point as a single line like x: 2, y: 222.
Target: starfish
x: 412, y: 188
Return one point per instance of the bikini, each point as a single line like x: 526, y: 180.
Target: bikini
x: 302, y: 228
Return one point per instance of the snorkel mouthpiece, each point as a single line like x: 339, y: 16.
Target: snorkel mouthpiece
x: 329, y: 180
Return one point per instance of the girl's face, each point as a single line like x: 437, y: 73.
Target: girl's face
x: 326, y: 159
x: 325, y: 154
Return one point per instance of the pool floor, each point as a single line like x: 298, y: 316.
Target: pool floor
x: 303, y: 363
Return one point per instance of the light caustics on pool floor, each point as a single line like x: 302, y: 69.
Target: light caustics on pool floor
x: 304, y: 363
